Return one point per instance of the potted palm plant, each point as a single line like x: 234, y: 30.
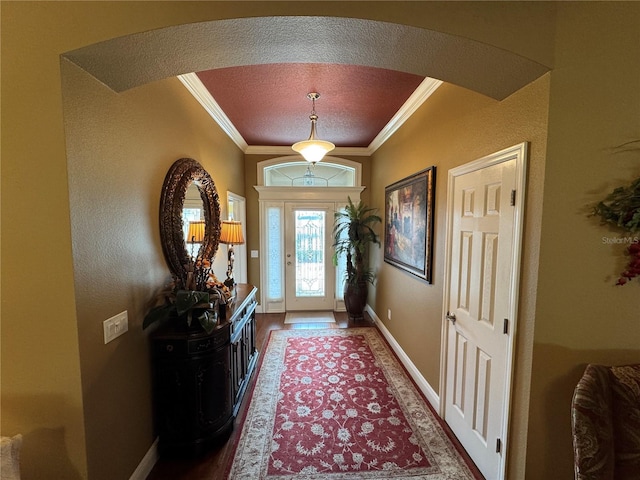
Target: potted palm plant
x: 353, y: 233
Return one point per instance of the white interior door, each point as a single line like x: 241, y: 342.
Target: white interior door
x: 481, y: 302
x: 309, y: 271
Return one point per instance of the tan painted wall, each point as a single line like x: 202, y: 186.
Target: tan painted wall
x: 455, y: 127
x: 119, y: 149
x: 72, y: 397
x: 581, y: 317
x: 46, y: 334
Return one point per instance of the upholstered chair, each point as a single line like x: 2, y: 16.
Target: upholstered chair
x: 605, y: 419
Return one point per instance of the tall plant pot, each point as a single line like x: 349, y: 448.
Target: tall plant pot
x: 355, y: 299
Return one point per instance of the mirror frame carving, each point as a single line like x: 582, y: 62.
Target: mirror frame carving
x: 182, y: 173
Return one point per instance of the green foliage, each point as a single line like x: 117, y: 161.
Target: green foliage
x: 621, y: 207
x: 188, y: 299
x: 187, y: 305
x: 159, y: 313
x: 353, y: 233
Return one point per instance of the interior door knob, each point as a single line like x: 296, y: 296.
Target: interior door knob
x: 451, y: 317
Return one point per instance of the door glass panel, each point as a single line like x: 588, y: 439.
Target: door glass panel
x: 309, y: 255
x: 341, y: 271
x: 275, y: 257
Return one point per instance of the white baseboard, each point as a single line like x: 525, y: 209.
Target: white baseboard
x: 147, y: 463
x: 422, y: 383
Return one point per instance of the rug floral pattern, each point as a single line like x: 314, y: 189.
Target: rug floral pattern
x: 336, y: 404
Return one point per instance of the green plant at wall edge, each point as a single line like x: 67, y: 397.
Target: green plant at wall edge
x: 621, y: 208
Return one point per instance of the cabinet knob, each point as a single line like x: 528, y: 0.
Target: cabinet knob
x: 169, y: 348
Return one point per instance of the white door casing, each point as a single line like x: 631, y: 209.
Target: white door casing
x: 484, y: 234
x: 237, y: 210
x: 272, y: 201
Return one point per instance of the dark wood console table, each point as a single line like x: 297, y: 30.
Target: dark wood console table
x: 200, y: 379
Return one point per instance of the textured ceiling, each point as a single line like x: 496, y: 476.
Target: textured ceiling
x: 268, y: 104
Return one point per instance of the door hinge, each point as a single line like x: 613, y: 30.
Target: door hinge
x: 505, y: 326
x: 513, y: 198
x: 498, y: 445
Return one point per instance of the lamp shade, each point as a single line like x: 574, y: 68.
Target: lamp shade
x: 195, y: 233
x: 231, y: 233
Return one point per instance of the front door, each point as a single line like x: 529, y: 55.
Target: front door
x: 309, y: 271
x: 483, y: 244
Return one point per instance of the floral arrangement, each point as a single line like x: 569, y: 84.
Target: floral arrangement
x: 622, y: 209
x: 192, y: 296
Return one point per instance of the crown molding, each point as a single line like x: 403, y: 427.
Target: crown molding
x: 417, y: 98
x: 202, y: 95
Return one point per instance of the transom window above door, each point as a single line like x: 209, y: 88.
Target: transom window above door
x: 338, y: 173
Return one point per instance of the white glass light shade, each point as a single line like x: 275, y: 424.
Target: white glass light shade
x: 313, y: 150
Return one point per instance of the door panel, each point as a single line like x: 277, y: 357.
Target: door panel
x: 309, y: 271
x: 478, y: 299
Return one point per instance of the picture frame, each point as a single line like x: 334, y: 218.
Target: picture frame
x: 408, y: 226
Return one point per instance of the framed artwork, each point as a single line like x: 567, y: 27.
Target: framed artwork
x: 408, y: 228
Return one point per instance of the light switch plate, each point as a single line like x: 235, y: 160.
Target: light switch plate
x: 115, y: 326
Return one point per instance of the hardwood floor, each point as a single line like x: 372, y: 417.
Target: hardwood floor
x: 212, y: 465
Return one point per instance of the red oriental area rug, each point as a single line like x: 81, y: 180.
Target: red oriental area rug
x: 336, y: 404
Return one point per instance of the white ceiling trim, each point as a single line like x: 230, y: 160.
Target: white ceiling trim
x: 192, y: 83
x: 417, y: 98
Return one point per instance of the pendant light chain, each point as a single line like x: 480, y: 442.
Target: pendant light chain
x: 313, y: 105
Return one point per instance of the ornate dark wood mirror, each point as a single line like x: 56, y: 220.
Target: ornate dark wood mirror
x: 185, y: 173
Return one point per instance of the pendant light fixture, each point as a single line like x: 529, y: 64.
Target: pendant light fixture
x: 313, y: 149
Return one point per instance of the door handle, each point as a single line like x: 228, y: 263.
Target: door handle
x: 451, y: 317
